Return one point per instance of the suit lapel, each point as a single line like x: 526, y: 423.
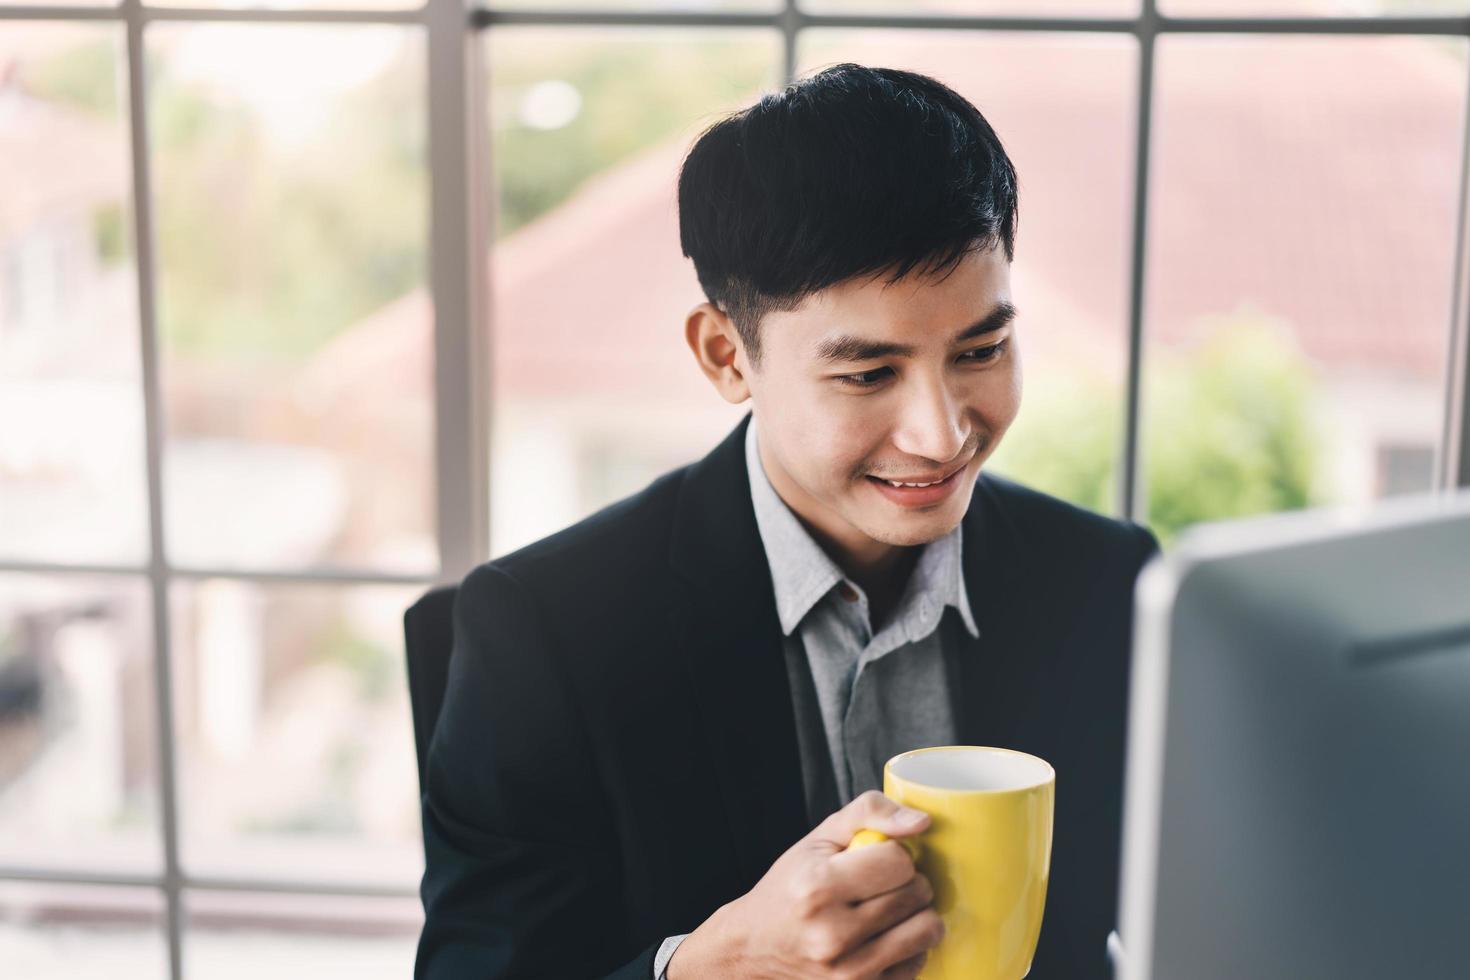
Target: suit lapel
x: 1000, y: 581
x: 726, y: 621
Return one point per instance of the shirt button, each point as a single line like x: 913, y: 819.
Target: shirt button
x: 847, y: 592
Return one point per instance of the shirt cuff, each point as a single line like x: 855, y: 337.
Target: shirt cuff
x: 664, y: 954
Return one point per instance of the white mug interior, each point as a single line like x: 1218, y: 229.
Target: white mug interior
x: 972, y: 768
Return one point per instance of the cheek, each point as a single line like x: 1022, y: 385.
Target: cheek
x: 823, y: 436
x: 838, y: 442
x: 997, y: 399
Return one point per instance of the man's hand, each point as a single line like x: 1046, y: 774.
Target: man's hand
x: 825, y: 912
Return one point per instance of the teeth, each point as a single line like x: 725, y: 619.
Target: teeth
x: 897, y: 484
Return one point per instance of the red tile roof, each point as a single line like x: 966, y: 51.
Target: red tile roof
x: 1312, y: 179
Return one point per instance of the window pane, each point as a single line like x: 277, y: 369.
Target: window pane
x: 1310, y: 8
x: 291, y: 227
x: 1010, y: 8
x: 295, y: 740
x: 72, y: 484
x: 62, y: 3
x: 595, y: 391
x: 1063, y: 109
x: 1301, y: 233
x: 245, y: 936
x: 78, y: 734
x: 82, y: 932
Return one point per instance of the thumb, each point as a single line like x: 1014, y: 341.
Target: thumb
x: 872, y: 811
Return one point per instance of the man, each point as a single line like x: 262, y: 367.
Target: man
x: 664, y: 723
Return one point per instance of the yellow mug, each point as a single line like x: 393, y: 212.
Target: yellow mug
x: 987, y: 852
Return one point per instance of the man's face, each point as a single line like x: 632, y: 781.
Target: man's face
x: 867, y: 384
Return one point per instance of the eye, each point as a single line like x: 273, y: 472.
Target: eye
x: 867, y: 379
x: 981, y: 355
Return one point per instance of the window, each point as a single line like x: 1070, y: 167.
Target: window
x: 276, y: 334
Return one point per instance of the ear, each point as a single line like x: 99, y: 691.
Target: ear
x: 719, y: 351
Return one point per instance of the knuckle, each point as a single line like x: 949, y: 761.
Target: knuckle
x: 934, y: 927
x: 897, y: 859
x: 913, y: 965
x: 812, y: 891
x: 823, y: 944
x: 891, y: 866
x: 872, y: 801
x: 923, y: 890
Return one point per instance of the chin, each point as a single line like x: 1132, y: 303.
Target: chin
x: 921, y: 529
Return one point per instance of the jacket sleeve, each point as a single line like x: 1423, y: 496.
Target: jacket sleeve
x: 522, y: 869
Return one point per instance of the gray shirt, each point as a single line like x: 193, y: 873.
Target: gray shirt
x: 877, y: 693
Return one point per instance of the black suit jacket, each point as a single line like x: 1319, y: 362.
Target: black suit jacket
x: 617, y: 754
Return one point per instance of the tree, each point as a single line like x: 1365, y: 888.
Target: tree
x: 1228, y: 430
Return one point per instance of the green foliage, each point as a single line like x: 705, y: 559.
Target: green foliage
x: 270, y: 249
x: 1231, y: 430
x: 110, y: 233
x: 84, y: 76
x: 1065, y: 440
x: 635, y: 93
x: 1228, y: 432
x: 371, y: 665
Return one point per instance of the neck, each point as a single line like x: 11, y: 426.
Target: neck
x: 881, y: 569
x: 877, y: 567
x: 882, y: 572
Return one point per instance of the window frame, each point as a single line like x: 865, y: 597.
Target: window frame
x: 459, y: 248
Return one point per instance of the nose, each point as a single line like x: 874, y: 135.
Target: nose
x: 932, y: 423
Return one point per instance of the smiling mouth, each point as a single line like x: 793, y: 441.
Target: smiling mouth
x: 918, y: 484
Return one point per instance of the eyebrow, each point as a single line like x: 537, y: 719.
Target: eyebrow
x: 847, y: 348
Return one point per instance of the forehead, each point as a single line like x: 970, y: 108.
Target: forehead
x: 918, y: 309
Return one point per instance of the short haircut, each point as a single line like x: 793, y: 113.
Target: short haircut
x: 845, y: 173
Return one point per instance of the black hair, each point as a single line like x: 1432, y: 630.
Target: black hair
x: 846, y: 173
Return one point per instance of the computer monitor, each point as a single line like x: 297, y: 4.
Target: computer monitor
x: 1297, y: 800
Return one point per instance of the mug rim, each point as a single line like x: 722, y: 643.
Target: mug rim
x: 1051, y: 774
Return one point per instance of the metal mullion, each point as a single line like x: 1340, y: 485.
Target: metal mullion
x: 481, y: 17
x: 306, y: 576
x: 267, y: 15
x: 1313, y: 25
x: 148, y: 15
x: 64, y: 568
x: 59, y: 13
x: 299, y: 886
x: 158, y: 576
x: 1131, y: 503
x: 456, y: 282
x: 1453, y: 456
x: 335, y: 576
x: 790, y: 31
x: 780, y: 18
x: 64, y: 876
x: 492, y: 17
x: 205, y: 882
x: 1156, y: 23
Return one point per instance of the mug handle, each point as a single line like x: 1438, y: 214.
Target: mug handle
x: 866, y: 837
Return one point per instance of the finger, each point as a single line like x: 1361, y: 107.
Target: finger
x: 872, y: 810
x: 866, y: 872
x: 917, y: 934
x: 892, y: 907
x: 907, y: 970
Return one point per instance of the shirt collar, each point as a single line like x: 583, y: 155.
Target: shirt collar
x: 802, y: 573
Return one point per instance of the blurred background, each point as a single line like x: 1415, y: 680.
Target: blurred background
x: 306, y: 307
